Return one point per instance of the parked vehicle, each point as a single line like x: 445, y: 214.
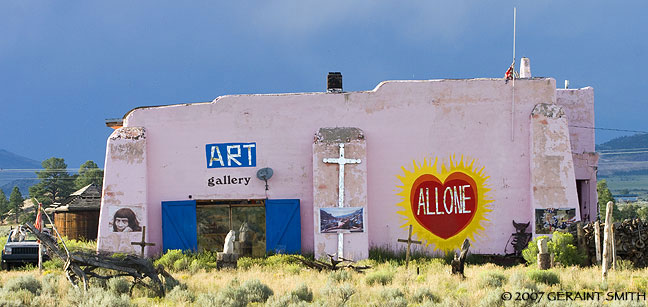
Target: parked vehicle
x: 21, y: 248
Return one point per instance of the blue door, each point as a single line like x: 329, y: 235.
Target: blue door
x: 179, y: 225
x: 283, y: 226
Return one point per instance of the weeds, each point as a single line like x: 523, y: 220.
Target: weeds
x: 492, y: 279
x: 255, y: 291
x: 303, y: 293
x: 180, y: 295
x: 119, y: 285
x: 95, y: 297
x: 339, y: 276
x: 546, y: 277
x: 24, y: 282
x: 379, y: 277
x: 338, y: 295
x: 422, y: 295
x: 273, y: 283
x: 392, y: 297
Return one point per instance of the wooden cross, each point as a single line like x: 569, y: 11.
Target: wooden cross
x: 341, y: 161
x: 143, y: 243
x: 409, y: 242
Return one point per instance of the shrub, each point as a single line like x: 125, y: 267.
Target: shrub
x: 423, y: 295
x: 545, y: 277
x: 16, y: 298
x: 641, y: 283
x: 168, y: 260
x: 54, y: 264
x: 95, y: 297
x: 231, y: 296
x: 339, y: 275
x: 279, y: 260
x: 293, y: 268
x: 255, y: 291
x: 303, y: 293
x: 171, y: 283
x: 119, y: 285
x: 492, y: 279
x: 625, y: 265
x: 44, y: 300
x: 79, y: 245
x: 392, y: 297
x: 24, y: 282
x: 530, y: 254
x: 387, y: 254
x: 49, y: 285
x: 207, y: 299
x: 197, y: 265
x: 561, y: 245
x: 379, y: 277
x: 492, y: 298
x: 245, y: 263
x: 285, y: 301
x: 235, y: 295
x: 180, y: 295
x: 520, y: 280
x: 181, y: 264
x: 338, y: 295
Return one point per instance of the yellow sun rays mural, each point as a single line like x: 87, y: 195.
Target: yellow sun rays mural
x: 444, y: 203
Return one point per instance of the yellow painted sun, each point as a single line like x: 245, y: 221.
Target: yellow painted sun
x: 445, y: 204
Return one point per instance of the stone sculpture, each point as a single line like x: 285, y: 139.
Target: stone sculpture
x: 228, y: 248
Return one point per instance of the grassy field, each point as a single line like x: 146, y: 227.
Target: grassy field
x: 635, y: 184
x: 280, y: 282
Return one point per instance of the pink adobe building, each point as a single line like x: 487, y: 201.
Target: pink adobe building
x: 454, y: 159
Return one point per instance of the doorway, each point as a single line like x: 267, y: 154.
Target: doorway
x: 215, y: 218
x: 582, y: 188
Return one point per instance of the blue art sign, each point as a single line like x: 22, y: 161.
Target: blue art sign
x: 231, y: 155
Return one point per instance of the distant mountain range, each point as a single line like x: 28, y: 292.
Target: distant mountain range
x: 16, y: 170
x: 626, y: 155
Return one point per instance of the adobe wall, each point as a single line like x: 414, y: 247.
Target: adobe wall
x: 404, y: 122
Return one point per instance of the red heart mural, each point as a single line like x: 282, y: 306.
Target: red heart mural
x: 444, y: 208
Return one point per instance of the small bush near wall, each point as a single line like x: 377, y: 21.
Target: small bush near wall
x: 561, y: 245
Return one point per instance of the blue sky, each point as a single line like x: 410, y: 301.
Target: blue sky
x: 66, y: 66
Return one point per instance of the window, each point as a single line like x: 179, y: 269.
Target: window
x: 215, y: 218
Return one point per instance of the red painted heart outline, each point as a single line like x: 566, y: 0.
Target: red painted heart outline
x: 445, y: 225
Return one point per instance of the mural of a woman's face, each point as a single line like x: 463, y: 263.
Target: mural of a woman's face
x: 125, y: 220
x: 121, y: 223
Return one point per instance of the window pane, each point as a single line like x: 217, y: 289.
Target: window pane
x: 213, y: 226
x: 249, y: 223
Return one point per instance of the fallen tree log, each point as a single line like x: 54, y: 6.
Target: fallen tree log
x: 79, y: 266
x: 333, y: 266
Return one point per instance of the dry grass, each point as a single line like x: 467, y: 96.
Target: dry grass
x: 482, y: 286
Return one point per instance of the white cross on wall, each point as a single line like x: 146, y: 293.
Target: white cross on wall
x: 341, y: 161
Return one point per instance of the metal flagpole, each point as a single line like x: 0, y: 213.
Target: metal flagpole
x: 513, y: 86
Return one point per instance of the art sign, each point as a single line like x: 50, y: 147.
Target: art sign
x: 551, y: 219
x: 445, y: 204
x: 341, y: 219
x: 231, y: 155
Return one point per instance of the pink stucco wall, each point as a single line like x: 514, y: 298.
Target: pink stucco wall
x: 578, y: 105
x: 403, y: 121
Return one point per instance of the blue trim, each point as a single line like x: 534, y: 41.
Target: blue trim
x: 283, y: 226
x: 179, y: 229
